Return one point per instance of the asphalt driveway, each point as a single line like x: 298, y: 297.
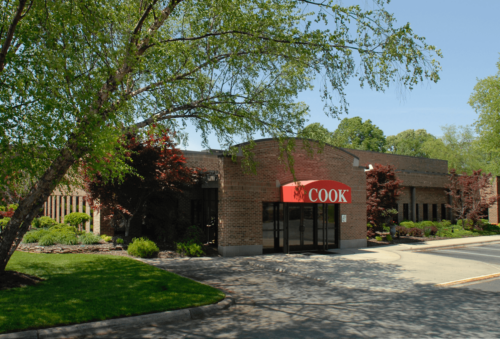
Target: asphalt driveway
x: 323, y: 296
x: 489, y: 254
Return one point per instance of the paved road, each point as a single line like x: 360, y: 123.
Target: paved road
x: 489, y: 254
x: 340, y: 298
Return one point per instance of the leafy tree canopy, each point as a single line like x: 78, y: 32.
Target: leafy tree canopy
x: 459, y: 146
x: 409, y: 142
x: 354, y: 133
x: 485, y: 99
x: 74, y: 74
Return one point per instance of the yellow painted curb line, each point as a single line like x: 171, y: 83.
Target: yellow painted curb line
x: 468, y: 280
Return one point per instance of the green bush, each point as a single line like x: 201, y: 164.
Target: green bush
x: 106, y: 238
x: 427, y: 232
x: 119, y: 240
x: 388, y: 237
x: 89, y: 239
x: 142, y: 247
x: 44, y: 222
x: 66, y: 238
x: 76, y: 219
x: 46, y: 240
x: 378, y: 238
x: 189, y: 248
x: 34, y: 236
x: 407, y: 224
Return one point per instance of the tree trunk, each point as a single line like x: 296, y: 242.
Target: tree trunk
x: 31, y: 205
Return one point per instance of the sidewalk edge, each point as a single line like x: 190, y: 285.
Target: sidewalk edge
x: 430, y: 248
x: 468, y: 280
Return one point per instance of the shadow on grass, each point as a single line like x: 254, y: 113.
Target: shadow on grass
x: 81, y: 288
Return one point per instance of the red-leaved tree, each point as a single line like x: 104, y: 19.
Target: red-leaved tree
x: 471, y: 195
x: 159, y: 167
x: 382, y: 189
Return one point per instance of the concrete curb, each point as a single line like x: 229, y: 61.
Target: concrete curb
x: 319, y: 278
x: 468, y: 280
x: 431, y: 248
x: 105, y: 326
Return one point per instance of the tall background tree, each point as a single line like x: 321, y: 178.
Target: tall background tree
x: 83, y: 70
x: 485, y: 100
x: 350, y: 133
x: 410, y: 142
x: 358, y: 134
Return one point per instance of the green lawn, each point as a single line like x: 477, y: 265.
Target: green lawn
x: 85, y: 287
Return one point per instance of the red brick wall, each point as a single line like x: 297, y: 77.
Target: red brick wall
x: 241, y: 194
x: 494, y: 211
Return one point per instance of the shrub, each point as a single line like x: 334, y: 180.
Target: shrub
x: 407, y: 224
x: 388, y: 237
x: 106, y: 238
x: 43, y: 222
x: 142, y: 247
x: 66, y: 238
x: 415, y: 232
x: 46, y: 240
x: 426, y: 223
x: 34, y: 236
x: 401, y: 231
x: 89, y: 239
x: 119, y: 240
x: 378, y: 238
x: 76, y: 219
x: 427, y: 232
x: 190, y: 248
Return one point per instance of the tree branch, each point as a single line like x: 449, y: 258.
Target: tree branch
x: 10, y: 33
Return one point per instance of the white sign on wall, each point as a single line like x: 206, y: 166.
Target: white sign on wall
x: 344, y: 218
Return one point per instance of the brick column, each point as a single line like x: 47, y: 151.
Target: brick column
x: 413, y: 209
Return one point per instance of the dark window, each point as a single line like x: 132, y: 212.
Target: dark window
x: 443, y: 212
x: 405, y: 212
x: 417, y: 216
x: 434, y: 212
x: 395, y: 217
x: 426, y: 212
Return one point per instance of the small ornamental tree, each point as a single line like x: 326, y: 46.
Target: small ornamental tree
x: 77, y: 219
x: 471, y: 195
x: 159, y: 167
x: 382, y: 189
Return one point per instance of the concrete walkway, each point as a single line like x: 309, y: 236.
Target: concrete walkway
x: 374, y: 293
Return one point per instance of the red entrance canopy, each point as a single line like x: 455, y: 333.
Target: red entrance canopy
x: 316, y: 191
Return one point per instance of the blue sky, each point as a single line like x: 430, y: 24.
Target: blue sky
x: 467, y: 32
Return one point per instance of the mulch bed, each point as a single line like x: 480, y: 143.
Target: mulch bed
x: 402, y: 240
x: 104, y: 248
x: 12, y: 279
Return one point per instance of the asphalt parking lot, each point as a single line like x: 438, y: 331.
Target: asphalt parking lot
x: 489, y: 254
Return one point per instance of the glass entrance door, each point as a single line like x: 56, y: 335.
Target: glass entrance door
x: 302, y: 226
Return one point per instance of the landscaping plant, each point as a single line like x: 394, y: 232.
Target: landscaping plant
x: 471, y: 195
x: 77, y: 219
x: 190, y: 248
x: 142, y: 247
x: 382, y: 189
x: 89, y: 239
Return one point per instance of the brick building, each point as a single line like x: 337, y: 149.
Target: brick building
x: 254, y: 213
